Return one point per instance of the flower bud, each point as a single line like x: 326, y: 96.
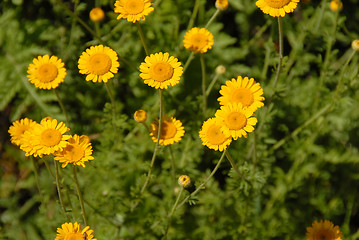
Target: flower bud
x: 184, y: 181
x: 97, y: 14
x: 221, y: 4
x: 335, y: 5
x: 220, y: 69
x: 355, y: 45
x: 140, y: 116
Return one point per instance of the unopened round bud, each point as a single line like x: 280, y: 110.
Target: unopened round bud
x: 140, y: 116
x: 355, y: 45
x: 221, y: 4
x: 184, y: 181
x: 220, y: 69
x: 335, y: 5
x: 97, y: 14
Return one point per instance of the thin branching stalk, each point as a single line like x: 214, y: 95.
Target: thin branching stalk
x: 37, y: 178
x: 230, y: 159
x: 172, y: 212
x: 143, y: 40
x: 194, y: 14
x: 173, y: 165
x: 205, y: 181
x: 83, y: 213
x: 49, y: 168
x: 62, y: 107
x: 189, y: 60
x: 204, y: 95
x: 113, y: 103
x: 58, y: 185
x: 210, y: 86
x: 212, y: 18
x: 343, y: 70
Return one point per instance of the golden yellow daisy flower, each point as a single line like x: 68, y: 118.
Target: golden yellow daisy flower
x: 99, y: 63
x: 355, y: 45
x: 323, y: 230
x: 242, y: 90
x: 184, y: 181
x: 18, y: 128
x: 172, y: 130
x: 78, y: 151
x: 46, y: 72
x: 276, y: 8
x: 235, y: 120
x: 133, y: 10
x: 212, y: 135
x: 73, y: 231
x: 160, y: 70
x: 198, y: 40
x: 140, y: 116
x: 97, y: 14
x: 45, y: 138
x: 221, y: 4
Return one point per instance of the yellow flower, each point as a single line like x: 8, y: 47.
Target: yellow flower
x: 160, y: 70
x: 355, y: 45
x: 97, y: 14
x: 198, y: 40
x: 45, y: 138
x: 133, y: 10
x: 335, y: 5
x: 172, y: 130
x: 18, y: 128
x: 235, y: 120
x: 276, y: 8
x: 69, y: 231
x: 212, y: 135
x: 140, y: 116
x: 46, y: 72
x: 242, y: 90
x: 323, y: 230
x: 78, y: 151
x: 184, y: 181
x: 99, y: 63
x: 221, y: 4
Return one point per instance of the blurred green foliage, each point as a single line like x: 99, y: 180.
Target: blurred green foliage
x: 299, y: 165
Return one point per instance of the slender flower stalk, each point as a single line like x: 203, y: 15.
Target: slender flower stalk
x: 204, y: 95
x: 194, y: 14
x: 230, y: 159
x: 143, y: 40
x: 48, y: 167
x: 210, y: 86
x: 172, y: 212
x: 200, y: 187
x: 83, y: 213
x: 113, y: 105
x: 173, y: 169
x: 37, y: 178
x: 189, y: 60
x: 59, y: 190
x: 212, y: 18
x: 62, y: 107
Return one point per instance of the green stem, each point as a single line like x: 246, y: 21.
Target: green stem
x: 172, y: 212
x: 59, y: 190
x: 173, y: 169
x: 205, y: 181
x: 37, y: 178
x: 230, y: 159
x: 204, y: 95
x: 113, y: 103
x: 189, y: 60
x: 320, y: 18
x: 210, y: 86
x: 48, y: 167
x: 62, y: 107
x: 143, y: 40
x: 343, y: 70
x: 212, y: 18
x: 194, y: 14
x: 83, y: 213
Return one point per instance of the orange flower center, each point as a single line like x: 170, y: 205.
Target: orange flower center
x: 324, y: 234
x: 199, y: 41
x: 236, y: 120
x: 99, y: 64
x: 161, y: 71
x: 168, y: 130
x: 242, y: 95
x: 50, y: 137
x: 215, y: 135
x: 74, y: 236
x: 277, y: 3
x: 134, y: 6
x: 75, y: 152
x: 47, y: 72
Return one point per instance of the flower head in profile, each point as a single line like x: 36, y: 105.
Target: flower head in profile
x: 99, y: 63
x: 133, y: 10
x: 172, y: 130
x: 276, y: 8
x: 160, y: 70
x: 46, y: 72
x: 323, y: 230
x: 198, y: 40
x: 236, y: 120
x: 97, y: 14
x: 212, y: 135
x: 69, y: 231
x: 242, y: 90
x: 221, y: 4
x: 45, y: 138
x: 18, y: 128
x: 78, y: 151
x: 140, y: 116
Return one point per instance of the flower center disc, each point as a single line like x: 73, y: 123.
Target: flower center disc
x: 47, y: 72
x: 74, y: 236
x: 236, y: 120
x: 215, y: 135
x: 50, y: 137
x: 161, y: 71
x: 99, y: 64
x: 168, y: 130
x: 75, y: 152
x: 199, y: 40
x: 324, y: 235
x: 277, y: 3
x: 244, y: 96
x: 134, y: 6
